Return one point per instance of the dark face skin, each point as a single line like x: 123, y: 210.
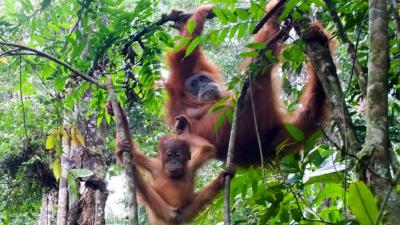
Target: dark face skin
x: 175, y: 155
x: 202, y: 87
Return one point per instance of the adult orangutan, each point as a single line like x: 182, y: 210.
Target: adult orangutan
x: 195, y: 84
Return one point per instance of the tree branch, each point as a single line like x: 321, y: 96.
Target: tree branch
x: 273, y: 11
x: 58, y: 61
x: 126, y: 156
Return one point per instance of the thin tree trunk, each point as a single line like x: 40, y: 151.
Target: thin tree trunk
x: 62, y: 212
x: 88, y: 208
x: 47, y: 215
x: 375, y: 170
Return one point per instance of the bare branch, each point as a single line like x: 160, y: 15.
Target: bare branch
x: 58, y: 61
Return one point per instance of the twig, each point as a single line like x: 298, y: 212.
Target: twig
x: 6, y: 53
x: 361, y: 76
x: 54, y: 59
x: 126, y: 156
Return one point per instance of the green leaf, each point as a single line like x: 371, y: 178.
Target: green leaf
x: 9, y: 7
x: 229, y: 114
x: 311, y: 141
x: 295, y: 132
x: 192, y: 46
x: 108, y: 118
x: 217, y: 108
x: 220, y: 15
x: 242, y: 31
x: 222, y: 35
x: 27, y: 5
x: 296, y: 214
x: 233, y: 31
x: 50, y: 142
x: 256, y: 45
x: 242, y: 14
x: 182, y: 43
x: 230, y: 16
x: 59, y: 83
x: 54, y: 27
x: 214, y: 38
x: 99, y: 120
x: 220, y: 121
x: 72, y: 186
x: 56, y: 166
x: 362, y: 203
x: 190, y: 26
x: 248, y: 54
x: 81, y: 172
x: 294, y: 53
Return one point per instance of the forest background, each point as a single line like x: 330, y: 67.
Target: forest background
x: 348, y: 176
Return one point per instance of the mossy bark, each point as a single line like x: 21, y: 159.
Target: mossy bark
x: 375, y: 170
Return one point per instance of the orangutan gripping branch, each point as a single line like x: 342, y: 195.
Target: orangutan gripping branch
x: 169, y: 196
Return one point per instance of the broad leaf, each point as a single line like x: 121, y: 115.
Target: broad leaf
x: 50, y: 142
x: 362, y: 203
x: 192, y: 46
x: 190, y: 26
x: 56, y: 166
x: 72, y: 185
x: 295, y: 132
x: 256, y: 45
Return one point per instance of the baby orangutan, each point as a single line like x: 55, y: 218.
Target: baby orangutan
x: 169, y: 196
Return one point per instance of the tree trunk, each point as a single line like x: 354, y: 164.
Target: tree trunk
x: 62, y: 212
x: 47, y: 215
x: 89, y: 206
x: 375, y: 170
